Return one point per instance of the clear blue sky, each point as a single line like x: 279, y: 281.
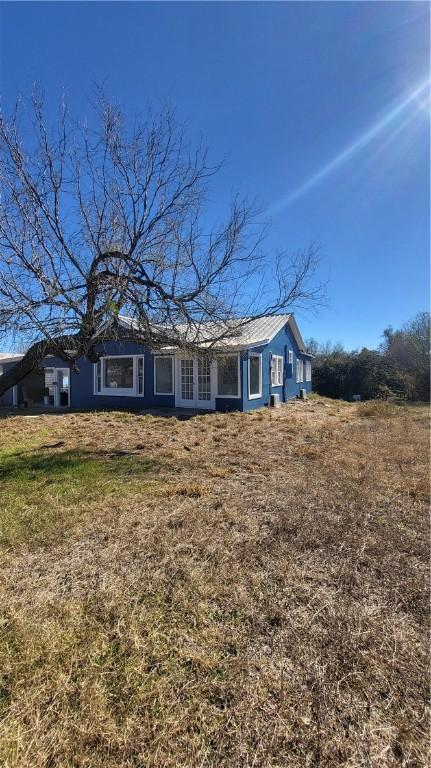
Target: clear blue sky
x: 311, y: 104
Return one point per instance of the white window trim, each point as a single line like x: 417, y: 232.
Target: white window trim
x: 274, y: 368
x: 97, y: 391
x: 290, y: 357
x: 135, y: 365
x: 123, y: 391
x: 156, y: 357
x: 299, y: 371
x: 238, y: 395
x: 307, y: 370
x: 256, y: 396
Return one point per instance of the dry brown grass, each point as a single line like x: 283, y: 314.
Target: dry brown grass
x: 232, y: 591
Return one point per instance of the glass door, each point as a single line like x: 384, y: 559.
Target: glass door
x: 186, y: 383
x: 203, y: 395
x: 62, y: 391
x: 195, y: 383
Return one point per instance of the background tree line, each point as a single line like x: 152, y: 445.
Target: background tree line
x: 400, y: 366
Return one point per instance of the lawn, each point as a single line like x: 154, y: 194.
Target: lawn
x: 234, y: 590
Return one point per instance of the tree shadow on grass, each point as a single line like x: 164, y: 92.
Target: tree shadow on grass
x: 32, y: 464
x: 43, y: 494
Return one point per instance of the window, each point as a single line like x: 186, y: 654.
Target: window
x: 307, y: 370
x: 163, y: 376
x: 98, y: 376
x: 290, y: 357
x: 299, y: 371
x: 119, y: 375
x: 254, y: 376
x: 140, y: 375
x: 228, y: 376
x: 277, y: 371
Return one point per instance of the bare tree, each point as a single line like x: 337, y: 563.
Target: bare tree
x: 103, y: 217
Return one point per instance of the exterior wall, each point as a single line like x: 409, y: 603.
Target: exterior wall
x: 7, y: 399
x: 280, y: 345
x: 82, y: 396
x: 82, y: 383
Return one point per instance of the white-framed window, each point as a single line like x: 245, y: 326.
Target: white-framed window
x: 299, y: 371
x: 277, y: 371
x: 163, y: 375
x: 228, y: 375
x: 119, y: 375
x: 140, y: 375
x: 307, y: 370
x: 98, y: 377
x: 254, y: 375
x: 290, y: 357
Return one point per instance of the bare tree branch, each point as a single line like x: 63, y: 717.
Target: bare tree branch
x: 99, y: 218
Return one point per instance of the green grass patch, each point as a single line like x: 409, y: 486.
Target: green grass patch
x: 42, y: 493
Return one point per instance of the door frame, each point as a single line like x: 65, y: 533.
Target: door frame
x: 208, y: 405
x: 57, y: 402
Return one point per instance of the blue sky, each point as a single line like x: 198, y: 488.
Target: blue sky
x: 313, y: 105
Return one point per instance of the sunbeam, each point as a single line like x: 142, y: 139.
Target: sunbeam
x: 391, y: 114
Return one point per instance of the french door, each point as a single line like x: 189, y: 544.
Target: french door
x: 195, y: 383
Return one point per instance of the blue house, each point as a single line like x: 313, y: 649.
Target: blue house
x: 266, y: 358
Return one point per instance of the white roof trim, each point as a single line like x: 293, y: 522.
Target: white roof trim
x: 6, y: 357
x: 296, y: 332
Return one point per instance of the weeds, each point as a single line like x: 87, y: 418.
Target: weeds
x: 256, y: 602
x: 379, y: 409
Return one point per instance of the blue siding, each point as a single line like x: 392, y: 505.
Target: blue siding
x: 82, y: 381
x: 282, y: 342
x: 228, y: 404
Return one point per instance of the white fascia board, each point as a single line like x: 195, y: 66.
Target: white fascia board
x: 219, y: 350
x: 296, y: 332
x: 11, y: 358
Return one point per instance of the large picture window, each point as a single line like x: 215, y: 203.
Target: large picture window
x: 163, y: 376
x: 254, y: 376
x: 119, y: 375
x: 228, y: 376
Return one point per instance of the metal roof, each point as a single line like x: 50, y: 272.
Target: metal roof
x: 252, y: 332
x: 10, y: 357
